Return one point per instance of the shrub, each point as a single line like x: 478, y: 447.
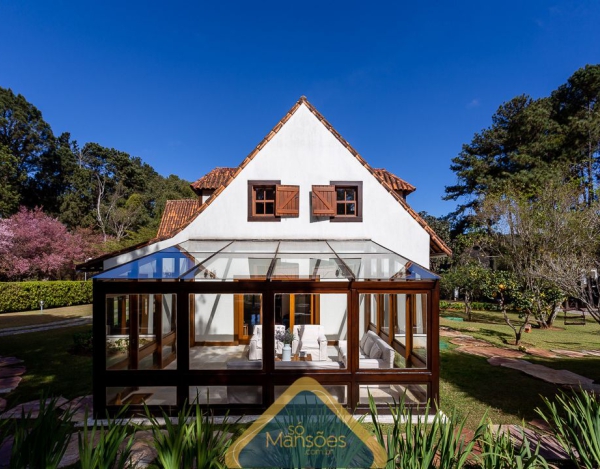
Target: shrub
x: 26, y: 296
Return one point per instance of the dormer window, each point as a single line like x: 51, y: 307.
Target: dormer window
x: 269, y: 201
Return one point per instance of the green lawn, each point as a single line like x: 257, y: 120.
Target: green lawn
x: 473, y: 386
x: 33, y: 318
x: 50, y: 366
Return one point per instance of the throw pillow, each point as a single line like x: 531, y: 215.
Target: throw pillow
x: 368, y: 345
x: 375, y: 352
x: 363, y: 340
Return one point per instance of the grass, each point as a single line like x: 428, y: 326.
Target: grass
x: 490, y: 326
x: 35, y: 318
x: 50, y: 366
x: 473, y: 386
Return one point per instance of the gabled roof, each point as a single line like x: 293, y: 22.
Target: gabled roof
x: 213, y: 180
x: 437, y: 245
x: 177, y: 214
x: 394, y: 181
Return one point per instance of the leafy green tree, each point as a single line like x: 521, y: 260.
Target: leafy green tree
x: 24, y: 133
x: 505, y: 288
x: 577, y: 109
x: 529, y: 142
x: 9, y: 183
x: 469, y: 280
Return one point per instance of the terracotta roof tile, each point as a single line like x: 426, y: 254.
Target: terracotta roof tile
x: 177, y: 215
x: 394, y: 181
x: 214, y: 179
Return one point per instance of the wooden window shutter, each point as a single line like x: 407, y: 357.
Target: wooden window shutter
x: 323, y: 201
x: 287, y: 201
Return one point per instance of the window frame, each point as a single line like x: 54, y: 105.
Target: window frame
x: 358, y: 187
x: 252, y: 215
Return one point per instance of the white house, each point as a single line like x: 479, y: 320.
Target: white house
x: 303, y: 236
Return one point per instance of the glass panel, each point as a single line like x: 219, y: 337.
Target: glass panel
x: 168, y: 263
x: 350, y: 209
x: 149, y: 395
x: 339, y: 194
x: 358, y: 247
x: 412, y: 394
x: 260, y: 209
x: 265, y: 247
x: 226, y: 395
x: 312, y: 247
x: 202, y: 246
x: 309, y: 266
x: 229, y: 266
x: 269, y: 208
x: 140, y: 332
x: 317, y: 341
x: 407, y: 316
x: 411, y: 316
x: 338, y: 392
x: 220, y: 327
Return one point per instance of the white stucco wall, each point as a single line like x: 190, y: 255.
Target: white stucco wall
x: 305, y: 153
x: 214, y: 317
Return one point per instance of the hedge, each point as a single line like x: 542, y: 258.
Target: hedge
x: 26, y: 296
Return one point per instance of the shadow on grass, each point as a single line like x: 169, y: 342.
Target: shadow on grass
x: 10, y: 320
x: 505, y: 337
x: 510, y: 391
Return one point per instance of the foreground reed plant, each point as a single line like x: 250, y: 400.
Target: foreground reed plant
x: 41, y: 442
x: 172, y: 445
x: 414, y: 443
x: 498, y: 451
x: 209, y: 440
x: 575, y: 421
x: 193, y: 440
x: 106, y: 447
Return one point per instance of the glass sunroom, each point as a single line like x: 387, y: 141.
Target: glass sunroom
x: 205, y: 321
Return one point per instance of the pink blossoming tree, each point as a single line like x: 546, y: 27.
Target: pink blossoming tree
x: 35, y: 246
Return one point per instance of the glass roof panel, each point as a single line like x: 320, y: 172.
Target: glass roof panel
x: 309, y: 266
x: 252, y: 246
x: 233, y: 266
x: 224, y: 260
x: 168, y: 263
x: 291, y: 247
x: 358, y: 246
x: 198, y: 245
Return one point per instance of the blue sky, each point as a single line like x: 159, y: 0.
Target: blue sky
x: 188, y: 86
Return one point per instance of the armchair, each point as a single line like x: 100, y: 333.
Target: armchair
x: 256, y: 342
x: 311, y: 339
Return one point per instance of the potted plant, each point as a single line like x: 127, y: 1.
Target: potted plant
x: 286, y: 337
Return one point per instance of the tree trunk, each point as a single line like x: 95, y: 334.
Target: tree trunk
x: 468, y: 306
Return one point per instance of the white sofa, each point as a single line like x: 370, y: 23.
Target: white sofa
x: 374, y: 352
x: 256, y: 342
x: 311, y: 339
